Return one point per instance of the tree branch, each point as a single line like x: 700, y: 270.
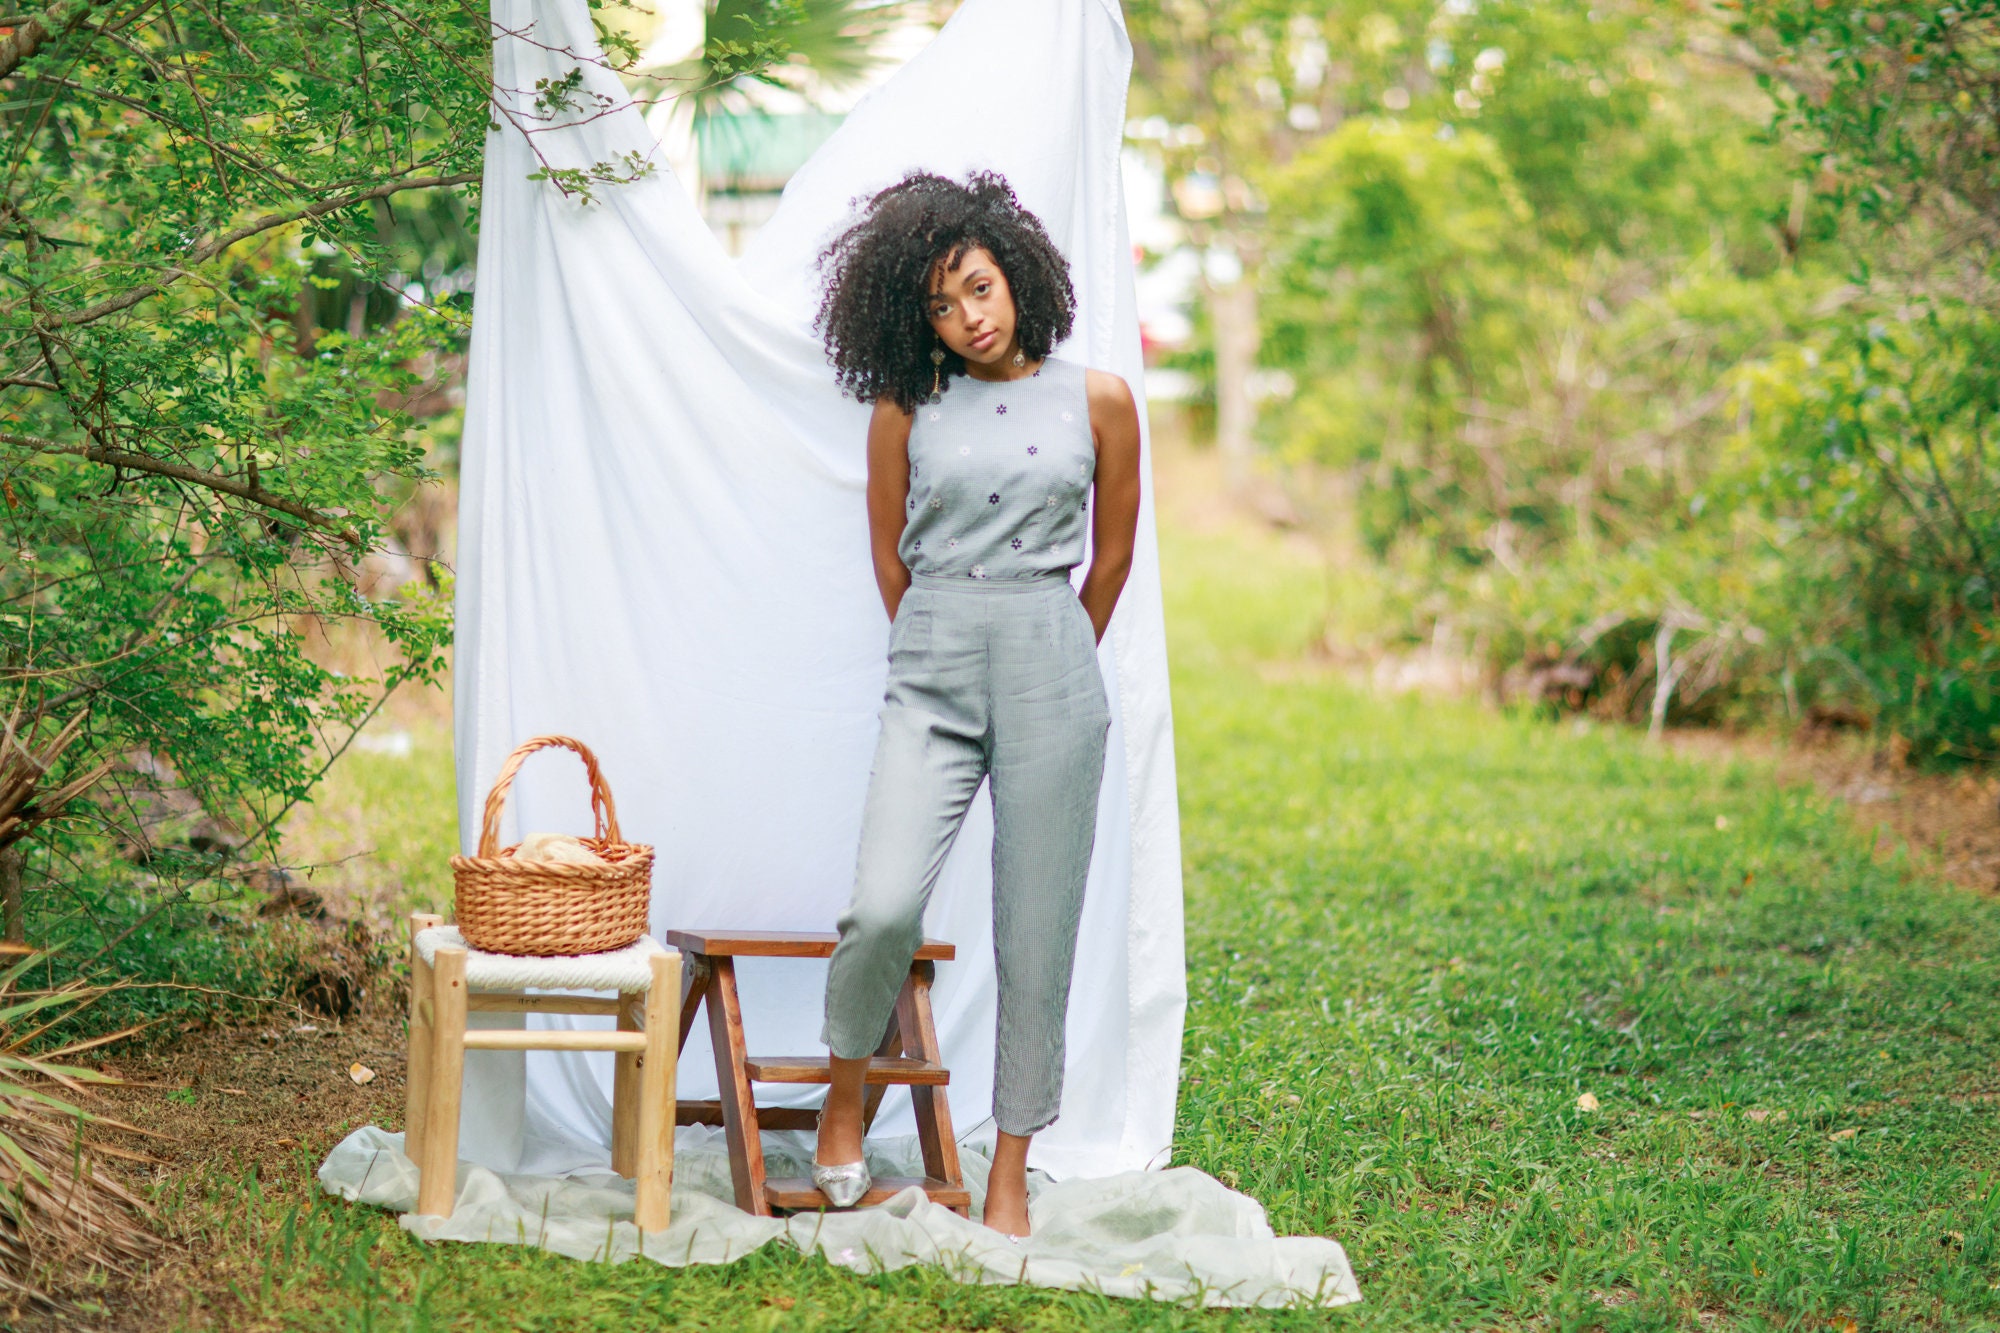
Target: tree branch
x: 147, y: 109
x: 214, y: 246
x: 55, y: 21
x: 137, y: 462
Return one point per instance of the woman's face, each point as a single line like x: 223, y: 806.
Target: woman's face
x: 972, y: 310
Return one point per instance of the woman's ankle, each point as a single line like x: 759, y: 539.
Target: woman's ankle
x: 1006, y: 1208
x: 841, y: 1135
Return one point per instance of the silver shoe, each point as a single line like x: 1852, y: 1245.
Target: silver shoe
x: 843, y: 1185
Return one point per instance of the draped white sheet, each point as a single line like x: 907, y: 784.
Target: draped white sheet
x: 663, y: 551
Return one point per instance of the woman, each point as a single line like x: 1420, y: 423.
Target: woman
x: 943, y: 304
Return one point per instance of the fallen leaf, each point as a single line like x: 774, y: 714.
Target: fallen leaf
x: 1587, y: 1102
x: 1840, y: 1134
x: 288, y: 1143
x: 360, y: 1073
x: 235, y: 1092
x: 1843, y: 1326
x: 306, y: 1027
x: 1760, y: 1114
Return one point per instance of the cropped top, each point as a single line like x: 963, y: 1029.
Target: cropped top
x: 1000, y: 477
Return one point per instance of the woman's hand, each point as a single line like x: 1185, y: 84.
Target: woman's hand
x: 888, y: 493
x: 1114, y: 425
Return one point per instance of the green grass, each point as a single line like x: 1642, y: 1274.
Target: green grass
x: 1418, y: 932
x: 380, y: 832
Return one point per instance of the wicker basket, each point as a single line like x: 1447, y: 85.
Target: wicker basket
x: 544, y: 908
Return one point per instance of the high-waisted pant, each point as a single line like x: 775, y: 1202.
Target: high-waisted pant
x: 991, y: 679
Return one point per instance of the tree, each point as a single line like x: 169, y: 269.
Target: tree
x: 1227, y: 94
x: 192, y: 463
x: 1899, y: 99
x: 1881, y: 431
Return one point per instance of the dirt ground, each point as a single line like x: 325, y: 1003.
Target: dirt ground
x: 1950, y: 823
x: 268, y: 1100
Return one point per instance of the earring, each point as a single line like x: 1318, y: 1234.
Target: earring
x: 937, y: 374
x: 1020, y: 358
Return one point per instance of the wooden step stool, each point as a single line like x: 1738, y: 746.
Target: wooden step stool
x: 909, y: 1056
x: 449, y: 979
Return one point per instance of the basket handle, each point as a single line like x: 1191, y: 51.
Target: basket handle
x: 601, y: 806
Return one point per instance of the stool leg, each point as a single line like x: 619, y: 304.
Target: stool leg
x: 438, y: 1187
x: 732, y: 1081
x: 417, y: 1043
x: 935, y: 1135
x: 652, y: 1206
x: 625, y: 1085
x: 871, y: 1101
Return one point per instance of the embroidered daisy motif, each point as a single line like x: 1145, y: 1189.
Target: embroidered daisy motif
x: 1067, y: 416
x: 937, y: 502
x: 1032, y: 451
x: 935, y: 415
x: 917, y: 545
x: 1052, y: 502
x: 913, y: 502
x: 913, y: 469
x: 964, y: 450
x: 1082, y: 469
x: 979, y: 571
x: 993, y: 499
x: 1001, y: 409
x: 952, y: 543
x: 1017, y: 543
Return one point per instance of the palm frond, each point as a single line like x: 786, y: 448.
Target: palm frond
x: 57, y: 1206
x: 834, y: 43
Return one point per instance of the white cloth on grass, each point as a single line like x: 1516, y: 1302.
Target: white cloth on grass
x: 1175, y: 1235
x: 663, y: 550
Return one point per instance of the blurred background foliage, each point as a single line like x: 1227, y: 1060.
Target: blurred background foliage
x: 1644, y: 352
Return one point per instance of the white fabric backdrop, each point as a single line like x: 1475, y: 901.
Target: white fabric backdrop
x: 663, y: 551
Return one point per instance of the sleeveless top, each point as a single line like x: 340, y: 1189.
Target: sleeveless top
x: 1000, y: 477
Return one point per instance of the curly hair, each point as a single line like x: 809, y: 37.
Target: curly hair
x: 873, y: 316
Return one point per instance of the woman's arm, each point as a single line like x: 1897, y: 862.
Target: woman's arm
x: 888, y: 492
x: 1114, y: 422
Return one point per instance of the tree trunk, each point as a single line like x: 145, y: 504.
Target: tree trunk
x: 1233, y: 309
x: 681, y: 34
x: 13, y: 913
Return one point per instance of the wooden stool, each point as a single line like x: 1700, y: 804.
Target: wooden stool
x: 448, y: 980
x: 908, y: 1056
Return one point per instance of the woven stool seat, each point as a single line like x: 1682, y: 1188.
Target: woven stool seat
x: 628, y: 971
